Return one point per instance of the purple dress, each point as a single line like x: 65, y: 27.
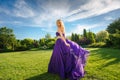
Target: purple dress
x: 68, y: 62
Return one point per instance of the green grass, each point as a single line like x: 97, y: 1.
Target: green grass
x: 102, y: 64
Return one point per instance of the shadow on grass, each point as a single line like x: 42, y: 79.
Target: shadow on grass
x: 48, y: 76
x: 44, y: 76
x: 108, y: 54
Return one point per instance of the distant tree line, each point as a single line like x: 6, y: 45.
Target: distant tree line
x: 114, y: 34
x: 8, y: 41
x: 106, y: 38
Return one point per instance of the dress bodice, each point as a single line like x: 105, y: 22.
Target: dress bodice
x: 58, y: 34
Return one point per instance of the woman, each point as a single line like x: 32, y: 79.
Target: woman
x: 68, y: 58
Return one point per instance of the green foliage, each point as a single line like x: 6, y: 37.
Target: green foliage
x: 36, y: 44
x: 47, y: 36
x: 47, y: 43
x: 22, y: 48
x: 113, y: 26
x: 84, y: 41
x: 28, y: 42
x: 86, y: 38
x: 50, y: 43
x: 85, y: 33
x: 42, y: 41
x: 115, y: 39
x: 102, y: 36
x: 91, y: 37
x: 75, y: 37
x: 97, y: 45
x: 7, y: 38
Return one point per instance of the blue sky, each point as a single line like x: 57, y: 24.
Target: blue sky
x: 35, y: 18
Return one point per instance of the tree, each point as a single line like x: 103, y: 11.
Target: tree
x: 47, y: 42
x: 7, y: 38
x: 50, y: 43
x: 91, y: 37
x: 114, y: 31
x: 113, y: 26
x: 47, y: 36
x: 85, y: 33
x: 114, y: 40
x: 27, y: 42
x: 102, y: 36
x: 36, y: 43
x: 42, y: 41
x: 84, y: 39
x: 75, y: 37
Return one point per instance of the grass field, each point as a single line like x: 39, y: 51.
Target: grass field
x: 102, y: 64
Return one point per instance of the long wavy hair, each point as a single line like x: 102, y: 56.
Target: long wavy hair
x: 60, y: 25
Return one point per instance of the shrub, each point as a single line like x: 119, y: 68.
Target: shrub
x: 84, y: 41
x: 102, y: 36
x: 50, y: 45
x: 47, y: 43
x: 43, y: 47
x: 99, y: 44
x: 22, y: 48
x: 115, y: 40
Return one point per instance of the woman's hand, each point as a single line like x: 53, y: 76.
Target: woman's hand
x: 67, y: 44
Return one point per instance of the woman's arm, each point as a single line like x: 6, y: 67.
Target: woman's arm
x: 62, y: 37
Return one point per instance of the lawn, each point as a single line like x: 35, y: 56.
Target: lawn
x: 102, y: 64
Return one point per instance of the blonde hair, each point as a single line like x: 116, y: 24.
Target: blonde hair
x: 60, y: 25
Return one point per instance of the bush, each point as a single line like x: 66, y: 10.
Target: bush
x: 47, y: 43
x: 99, y: 44
x: 84, y: 41
x: 114, y: 40
x: 50, y: 45
x: 109, y: 43
x: 102, y: 36
x: 5, y: 50
x: 22, y: 48
x: 43, y: 47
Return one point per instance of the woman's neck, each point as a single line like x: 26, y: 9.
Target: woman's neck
x: 60, y: 31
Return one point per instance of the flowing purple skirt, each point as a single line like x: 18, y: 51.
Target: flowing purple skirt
x: 68, y: 62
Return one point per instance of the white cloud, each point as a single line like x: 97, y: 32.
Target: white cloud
x: 51, y: 11
x: 22, y: 9
x: 11, y: 22
x: 79, y: 28
x: 3, y: 10
x: 93, y: 8
x: 109, y: 18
